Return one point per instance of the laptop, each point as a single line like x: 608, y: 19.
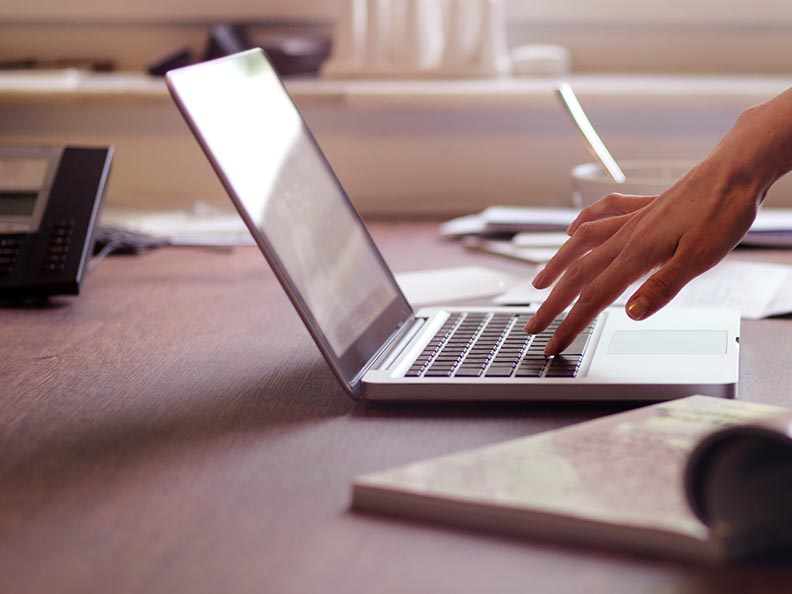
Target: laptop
x: 378, y: 347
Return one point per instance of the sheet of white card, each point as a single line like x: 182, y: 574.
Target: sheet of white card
x: 757, y: 289
x: 425, y: 287
x: 540, y: 239
x: 509, y: 250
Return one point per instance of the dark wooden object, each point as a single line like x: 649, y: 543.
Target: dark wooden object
x: 174, y: 429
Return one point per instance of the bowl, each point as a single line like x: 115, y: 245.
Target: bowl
x: 644, y: 178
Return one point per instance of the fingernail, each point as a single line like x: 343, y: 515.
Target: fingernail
x: 539, y: 279
x: 550, y: 349
x: 637, y: 308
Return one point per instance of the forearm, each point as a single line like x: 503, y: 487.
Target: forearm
x: 757, y: 150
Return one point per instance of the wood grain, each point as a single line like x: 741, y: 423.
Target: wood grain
x: 174, y: 429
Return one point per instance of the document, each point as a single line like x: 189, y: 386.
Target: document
x: 758, y: 290
x: 202, y: 225
x: 508, y: 220
x: 426, y: 287
x: 772, y: 228
x: 533, y: 255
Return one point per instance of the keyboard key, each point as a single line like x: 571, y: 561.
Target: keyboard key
x: 469, y: 372
x: 438, y: 373
x: 561, y: 373
x: 578, y: 346
x: 527, y: 373
x: 499, y: 372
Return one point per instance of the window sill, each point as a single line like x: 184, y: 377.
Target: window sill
x: 399, y: 147
x: 605, y: 90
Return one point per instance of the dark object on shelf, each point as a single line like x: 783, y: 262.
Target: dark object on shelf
x: 293, y: 55
x: 177, y: 59
x: 94, y: 65
x: 225, y: 40
x: 290, y: 54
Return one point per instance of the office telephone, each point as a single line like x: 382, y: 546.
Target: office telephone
x: 50, y: 198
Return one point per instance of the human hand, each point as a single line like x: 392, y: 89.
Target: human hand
x: 617, y: 240
x: 679, y: 234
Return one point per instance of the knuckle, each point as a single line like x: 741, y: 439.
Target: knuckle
x: 574, y: 273
x: 586, y: 232
x: 698, y: 251
x: 595, y: 295
x: 612, y: 200
x: 662, y: 287
x: 590, y: 296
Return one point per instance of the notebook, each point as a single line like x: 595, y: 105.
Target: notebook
x: 697, y: 478
x: 379, y: 348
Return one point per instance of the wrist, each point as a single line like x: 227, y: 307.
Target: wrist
x: 759, y: 145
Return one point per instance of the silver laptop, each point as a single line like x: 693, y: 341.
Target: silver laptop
x: 377, y: 346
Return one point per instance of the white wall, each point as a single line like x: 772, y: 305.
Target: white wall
x: 568, y: 11
x: 445, y: 157
x: 713, y: 36
x: 414, y: 154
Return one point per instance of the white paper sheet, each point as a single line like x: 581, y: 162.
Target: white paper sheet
x: 467, y: 225
x: 756, y: 289
x: 535, y: 255
x: 772, y: 228
x: 517, y: 219
x: 202, y: 225
x: 540, y: 239
x: 425, y: 287
x: 509, y: 220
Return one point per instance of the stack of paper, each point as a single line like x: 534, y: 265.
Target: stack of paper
x: 758, y: 290
x: 536, y: 247
x: 508, y: 220
x: 203, y: 225
x: 772, y: 228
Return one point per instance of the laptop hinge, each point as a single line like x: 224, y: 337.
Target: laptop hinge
x: 396, y: 344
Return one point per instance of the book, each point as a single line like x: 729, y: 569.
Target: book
x: 500, y: 221
x: 772, y: 227
x: 699, y: 478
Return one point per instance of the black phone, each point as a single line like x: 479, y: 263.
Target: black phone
x: 50, y: 199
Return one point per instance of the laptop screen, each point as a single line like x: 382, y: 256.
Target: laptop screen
x: 298, y: 212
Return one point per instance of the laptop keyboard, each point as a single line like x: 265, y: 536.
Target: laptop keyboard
x: 486, y: 344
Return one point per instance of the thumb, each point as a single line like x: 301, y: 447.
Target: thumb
x: 660, y: 288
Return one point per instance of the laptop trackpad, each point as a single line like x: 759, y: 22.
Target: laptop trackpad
x: 668, y: 342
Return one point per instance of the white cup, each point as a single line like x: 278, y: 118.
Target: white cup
x: 644, y: 178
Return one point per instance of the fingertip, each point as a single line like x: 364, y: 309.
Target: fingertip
x: 638, y: 308
x: 552, y: 348
x: 530, y: 326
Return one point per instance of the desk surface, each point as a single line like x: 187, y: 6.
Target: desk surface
x: 175, y: 430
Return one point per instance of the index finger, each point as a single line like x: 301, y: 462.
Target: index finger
x: 569, y: 287
x: 593, y: 300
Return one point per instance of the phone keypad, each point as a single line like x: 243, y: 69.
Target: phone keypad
x: 9, y: 250
x: 59, y: 242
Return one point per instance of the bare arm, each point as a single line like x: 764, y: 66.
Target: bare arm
x: 679, y: 234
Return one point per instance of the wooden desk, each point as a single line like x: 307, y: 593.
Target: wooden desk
x: 175, y: 430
